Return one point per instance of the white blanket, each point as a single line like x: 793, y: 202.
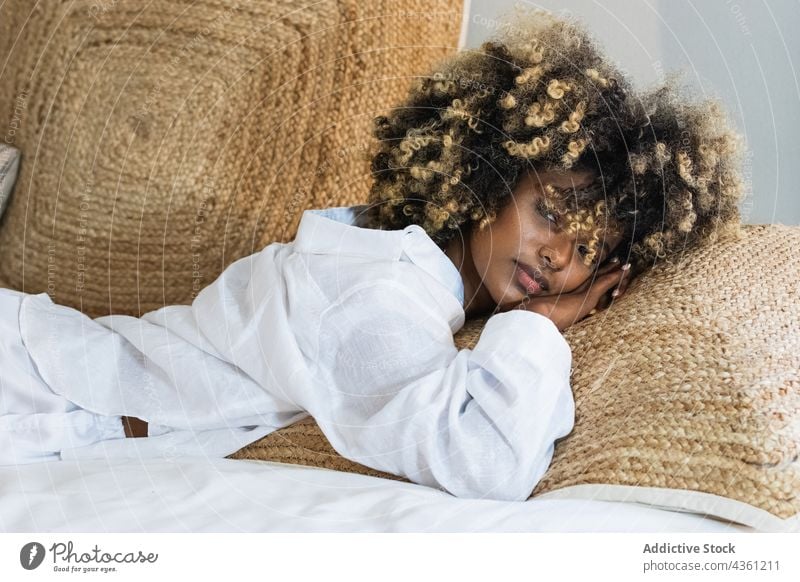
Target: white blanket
x: 226, y: 495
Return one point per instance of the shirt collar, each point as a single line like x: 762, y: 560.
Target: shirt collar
x: 326, y: 230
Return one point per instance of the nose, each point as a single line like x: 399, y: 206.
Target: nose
x: 556, y: 253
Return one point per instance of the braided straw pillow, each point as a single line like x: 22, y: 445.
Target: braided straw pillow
x: 687, y: 390
x: 163, y: 140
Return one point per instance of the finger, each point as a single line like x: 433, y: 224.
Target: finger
x: 609, y: 266
x: 601, y: 304
x: 604, y: 302
x: 596, y: 277
x: 603, y: 283
x: 623, y: 284
x: 608, y: 296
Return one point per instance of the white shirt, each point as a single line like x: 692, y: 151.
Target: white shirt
x: 353, y: 326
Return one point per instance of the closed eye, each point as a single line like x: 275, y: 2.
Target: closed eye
x: 584, y: 250
x: 547, y: 214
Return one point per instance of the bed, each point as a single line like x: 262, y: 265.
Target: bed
x: 227, y: 495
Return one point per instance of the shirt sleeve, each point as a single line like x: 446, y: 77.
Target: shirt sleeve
x: 395, y: 394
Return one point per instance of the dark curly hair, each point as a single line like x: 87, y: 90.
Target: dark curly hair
x: 540, y: 95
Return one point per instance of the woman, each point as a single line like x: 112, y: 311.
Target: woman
x: 506, y: 185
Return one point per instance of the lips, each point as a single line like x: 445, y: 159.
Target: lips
x: 530, y: 275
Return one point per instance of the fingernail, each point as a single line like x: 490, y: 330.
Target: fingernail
x: 615, y: 260
x: 615, y: 293
x: 626, y: 266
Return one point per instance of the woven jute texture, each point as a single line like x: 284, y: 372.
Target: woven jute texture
x: 163, y: 140
x: 690, y: 381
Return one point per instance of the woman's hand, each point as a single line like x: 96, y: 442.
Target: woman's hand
x: 593, y: 295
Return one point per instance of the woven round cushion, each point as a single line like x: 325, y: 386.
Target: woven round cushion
x: 688, y: 383
x: 164, y: 140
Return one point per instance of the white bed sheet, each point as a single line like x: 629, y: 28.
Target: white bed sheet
x: 226, y: 495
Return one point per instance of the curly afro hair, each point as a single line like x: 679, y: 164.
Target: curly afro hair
x: 540, y: 95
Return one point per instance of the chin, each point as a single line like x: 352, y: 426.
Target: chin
x: 507, y: 294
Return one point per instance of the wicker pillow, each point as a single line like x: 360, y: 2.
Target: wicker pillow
x: 167, y: 139
x: 687, y: 390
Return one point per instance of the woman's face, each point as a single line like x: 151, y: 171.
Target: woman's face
x: 523, y: 239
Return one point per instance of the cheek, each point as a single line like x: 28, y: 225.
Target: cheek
x: 578, y: 275
x: 483, y: 248
x: 492, y: 258
x: 488, y: 244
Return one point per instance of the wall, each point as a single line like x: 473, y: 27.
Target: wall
x: 742, y: 52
